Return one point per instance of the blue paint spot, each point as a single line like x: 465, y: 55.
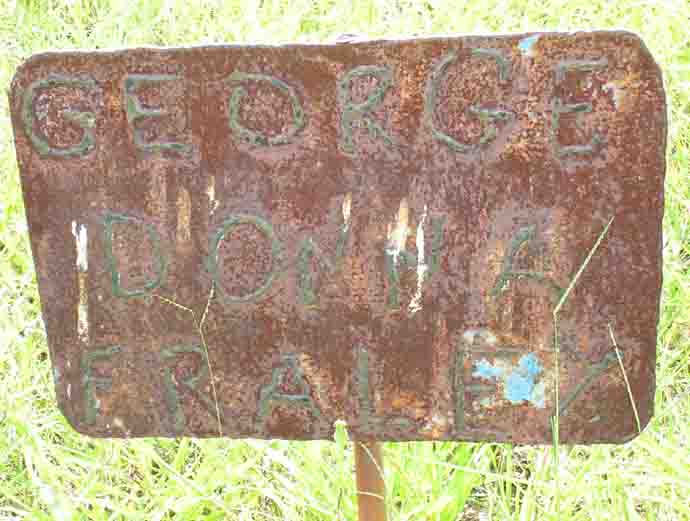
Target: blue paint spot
x: 483, y: 369
x: 518, y: 388
x: 538, y: 397
x: 519, y: 382
x: 525, y: 45
x: 529, y: 365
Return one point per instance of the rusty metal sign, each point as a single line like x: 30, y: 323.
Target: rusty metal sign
x: 258, y: 241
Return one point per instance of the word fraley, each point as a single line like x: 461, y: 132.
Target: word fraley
x: 422, y: 237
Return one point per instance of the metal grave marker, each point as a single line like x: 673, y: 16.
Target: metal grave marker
x: 255, y: 241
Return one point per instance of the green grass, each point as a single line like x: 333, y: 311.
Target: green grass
x: 48, y: 472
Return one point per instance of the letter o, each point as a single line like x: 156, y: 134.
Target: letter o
x: 212, y: 262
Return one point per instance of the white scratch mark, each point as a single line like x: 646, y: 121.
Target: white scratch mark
x: 80, y: 235
x: 485, y: 334
x: 184, y: 211
x: 617, y: 93
x: 347, y: 208
x: 435, y: 425
x: 211, y: 192
x: 81, y: 239
x: 397, y: 232
x: 416, y: 302
x: 117, y: 422
x: 69, y: 391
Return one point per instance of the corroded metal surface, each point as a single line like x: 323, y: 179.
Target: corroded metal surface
x: 257, y: 241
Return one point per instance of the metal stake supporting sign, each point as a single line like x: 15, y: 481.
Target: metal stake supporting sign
x: 371, y: 492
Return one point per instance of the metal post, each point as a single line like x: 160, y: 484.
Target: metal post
x: 371, y: 492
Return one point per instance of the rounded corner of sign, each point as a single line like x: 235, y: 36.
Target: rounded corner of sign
x: 632, y: 35
x: 75, y: 423
x: 24, y: 68
x: 635, y: 40
x: 638, y: 431
x: 14, y: 93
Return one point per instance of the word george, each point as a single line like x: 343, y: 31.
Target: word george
x: 352, y: 113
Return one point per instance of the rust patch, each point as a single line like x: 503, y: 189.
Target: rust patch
x: 259, y: 241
